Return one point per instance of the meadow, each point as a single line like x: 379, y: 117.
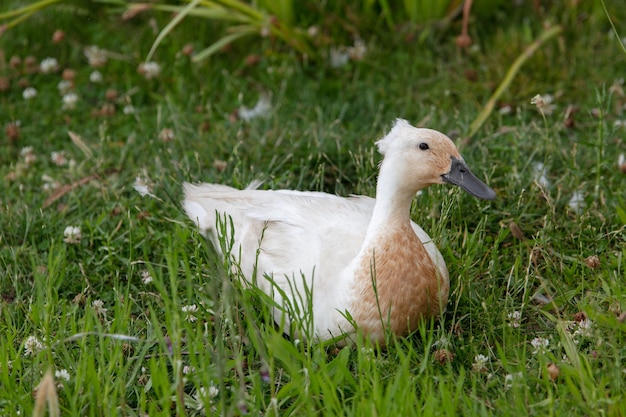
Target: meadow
x: 107, y: 285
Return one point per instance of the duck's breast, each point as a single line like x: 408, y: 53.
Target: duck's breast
x: 397, y: 283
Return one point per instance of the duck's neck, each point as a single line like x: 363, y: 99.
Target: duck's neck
x: 393, y: 201
x: 396, y: 281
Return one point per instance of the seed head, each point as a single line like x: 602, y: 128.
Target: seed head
x: 463, y: 41
x: 5, y: 84
x: 593, y: 261
x: 167, y: 135
x: 553, y: 371
x: 15, y: 61
x: 443, y: 356
x: 188, y: 49
x: 58, y: 36
x: 69, y: 74
x: 12, y: 130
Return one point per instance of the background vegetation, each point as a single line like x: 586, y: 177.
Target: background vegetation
x: 134, y: 315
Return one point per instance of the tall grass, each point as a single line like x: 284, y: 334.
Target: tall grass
x: 139, y: 316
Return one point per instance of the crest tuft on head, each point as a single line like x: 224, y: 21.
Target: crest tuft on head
x: 399, y: 126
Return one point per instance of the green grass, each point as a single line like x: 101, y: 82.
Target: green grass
x: 142, y: 356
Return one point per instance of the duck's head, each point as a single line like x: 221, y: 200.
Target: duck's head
x: 422, y: 157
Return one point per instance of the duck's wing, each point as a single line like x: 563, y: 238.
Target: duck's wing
x: 306, y: 233
x: 432, y: 250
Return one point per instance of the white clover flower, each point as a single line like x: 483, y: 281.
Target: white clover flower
x: 570, y: 326
x: 65, y: 86
x: 58, y: 158
x: 539, y: 174
x: 97, y: 57
x: 358, y: 51
x: 30, y: 159
x: 538, y: 101
x: 512, y: 379
x: 480, y: 361
x: 32, y: 346
x: 210, y: 393
x: 29, y: 93
x: 339, y: 57
x: 188, y: 369
x: 9, y: 365
x: 95, y: 77
x: 506, y: 109
x: 26, y: 150
x: 146, y: 278
x: 98, y: 307
x: 69, y: 101
x: 368, y: 353
x: 128, y: 109
x: 49, y: 183
x: 214, y: 391
x: 514, y: 318
x: 577, y: 202
x: 62, y: 374
x: 49, y: 65
x: 189, y: 312
x: 539, y: 344
x: 261, y: 109
x: 28, y: 154
x: 149, y: 69
x: 583, y: 329
x: 544, y: 103
x: 72, y: 234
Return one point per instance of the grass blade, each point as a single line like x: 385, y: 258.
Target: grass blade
x: 218, y: 13
x: 608, y: 16
x: 216, y: 46
x: 30, y: 9
x: 508, y: 78
x: 170, y: 26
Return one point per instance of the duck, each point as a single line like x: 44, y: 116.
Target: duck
x: 339, y: 266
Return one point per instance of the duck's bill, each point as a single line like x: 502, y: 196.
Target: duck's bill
x: 461, y: 175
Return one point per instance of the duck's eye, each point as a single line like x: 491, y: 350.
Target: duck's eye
x: 423, y: 146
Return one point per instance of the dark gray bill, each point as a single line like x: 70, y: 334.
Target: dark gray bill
x: 461, y: 175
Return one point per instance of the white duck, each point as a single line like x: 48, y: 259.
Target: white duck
x: 343, y: 261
